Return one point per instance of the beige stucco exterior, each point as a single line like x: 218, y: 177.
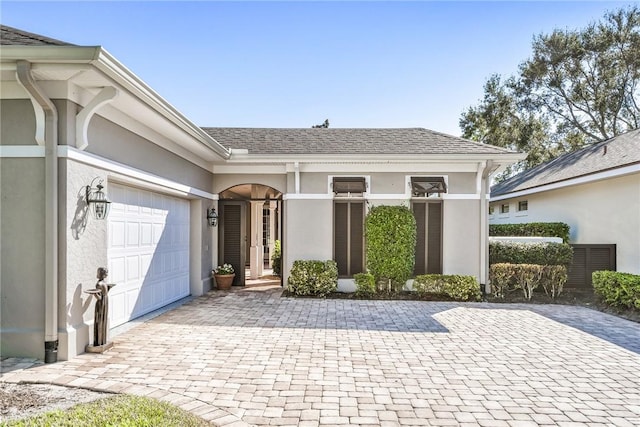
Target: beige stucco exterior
x: 604, y: 211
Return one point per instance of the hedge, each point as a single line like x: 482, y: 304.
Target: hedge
x: 527, y: 277
x: 390, y: 236
x: 276, y: 258
x: 365, y: 284
x: 617, y: 289
x: 542, y: 253
x: 317, y: 278
x: 537, y: 229
x: 456, y: 287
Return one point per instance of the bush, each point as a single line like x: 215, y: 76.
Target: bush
x: 617, y: 289
x: 276, y: 258
x: 553, y: 279
x: 543, y: 253
x: 458, y: 288
x: 317, y: 278
x: 390, y: 244
x: 532, y: 229
x: 365, y: 284
x: 506, y: 277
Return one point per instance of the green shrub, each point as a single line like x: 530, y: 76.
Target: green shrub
x: 553, y: 279
x: 317, y: 278
x: 618, y: 289
x: 543, y: 253
x: 501, y: 279
x: 390, y: 244
x: 456, y: 287
x: 532, y: 229
x: 276, y: 258
x: 365, y: 284
x: 527, y: 277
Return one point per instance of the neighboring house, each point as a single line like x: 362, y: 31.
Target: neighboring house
x: 595, y: 190
x: 73, y: 116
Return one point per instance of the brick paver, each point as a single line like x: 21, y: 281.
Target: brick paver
x: 253, y: 358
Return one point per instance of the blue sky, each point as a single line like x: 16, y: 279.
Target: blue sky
x: 294, y: 64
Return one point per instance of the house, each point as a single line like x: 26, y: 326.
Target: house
x: 596, y: 191
x: 78, y: 127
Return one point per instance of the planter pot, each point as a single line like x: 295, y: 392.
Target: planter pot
x: 224, y: 281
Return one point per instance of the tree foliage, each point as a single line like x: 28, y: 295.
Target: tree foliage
x: 578, y: 87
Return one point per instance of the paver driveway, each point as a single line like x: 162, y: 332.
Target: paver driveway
x: 254, y: 358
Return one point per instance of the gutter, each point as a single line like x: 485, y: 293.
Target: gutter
x: 43, y: 107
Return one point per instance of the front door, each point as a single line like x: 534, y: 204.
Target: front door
x: 233, y: 237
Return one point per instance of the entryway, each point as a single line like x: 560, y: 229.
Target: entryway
x: 250, y: 223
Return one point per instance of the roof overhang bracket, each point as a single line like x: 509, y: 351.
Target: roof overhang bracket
x: 106, y: 95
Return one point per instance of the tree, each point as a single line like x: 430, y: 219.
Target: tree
x: 325, y: 124
x: 578, y: 87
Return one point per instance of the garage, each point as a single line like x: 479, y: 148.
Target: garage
x: 148, y: 251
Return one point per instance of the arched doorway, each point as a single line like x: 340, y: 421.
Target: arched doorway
x: 250, y: 223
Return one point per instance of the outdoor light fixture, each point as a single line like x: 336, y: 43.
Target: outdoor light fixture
x: 212, y: 217
x: 97, y: 200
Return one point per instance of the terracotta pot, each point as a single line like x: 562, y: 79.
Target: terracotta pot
x: 224, y: 281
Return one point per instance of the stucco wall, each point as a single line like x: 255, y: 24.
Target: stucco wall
x: 461, y: 237
x: 607, y: 211
x: 18, y: 122
x: 22, y: 257
x: 308, y: 231
x: 113, y: 142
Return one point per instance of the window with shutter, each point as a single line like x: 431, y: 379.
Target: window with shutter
x: 349, y: 237
x: 349, y: 186
x: 428, y: 251
x: 427, y: 186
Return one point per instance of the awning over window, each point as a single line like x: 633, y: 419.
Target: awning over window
x: 349, y: 185
x: 425, y: 186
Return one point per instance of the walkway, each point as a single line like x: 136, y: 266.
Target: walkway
x: 249, y: 357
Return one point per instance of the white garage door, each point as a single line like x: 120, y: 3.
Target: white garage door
x: 148, y: 252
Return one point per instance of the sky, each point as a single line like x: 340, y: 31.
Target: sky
x: 296, y: 63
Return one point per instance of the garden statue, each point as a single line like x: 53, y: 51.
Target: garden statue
x: 101, y: 292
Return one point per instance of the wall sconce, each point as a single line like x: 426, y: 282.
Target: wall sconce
x: 212, y: 217
x: 97, y: 200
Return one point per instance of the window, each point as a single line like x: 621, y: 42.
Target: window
x: 492, y: 210
x: 523, y: 205
x: 426, y: 186
x: 349, y: 186
x: 348, y: 236
x: 504, y: 208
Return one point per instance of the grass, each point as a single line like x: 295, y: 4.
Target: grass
x: 121, y: 411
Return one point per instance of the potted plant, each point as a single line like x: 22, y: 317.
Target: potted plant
x: 224, y: 275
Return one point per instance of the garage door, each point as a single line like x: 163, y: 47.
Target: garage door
x: 148, y: 252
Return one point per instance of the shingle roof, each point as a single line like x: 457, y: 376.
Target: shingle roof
x: 347, y: 141
x: 613, y: 153
x: 16, y: 37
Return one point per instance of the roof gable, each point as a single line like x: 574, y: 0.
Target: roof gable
x: 314, y: 141
x: 10, y: 36
x: 613, y: 153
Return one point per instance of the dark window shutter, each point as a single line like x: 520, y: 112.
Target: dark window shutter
x: 434, y: 244
x: 420, y: 213
x: 231, y: 217
x: 356, y: 242
x: 341, y: 237
x: 349, y: 185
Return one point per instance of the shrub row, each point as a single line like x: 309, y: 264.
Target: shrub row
x: 537, y: 229
x: 618, y: 289
x: 543, y: 253
x: 527, y: 277
x: 365, y: 284
x: 317, y: 278
x: 456, y: 287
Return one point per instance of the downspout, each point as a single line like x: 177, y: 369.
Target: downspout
x: 44, y: 108
x: 484, y: 170
x: 296, y: 168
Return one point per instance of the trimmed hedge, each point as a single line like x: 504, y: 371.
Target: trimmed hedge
x: 506, y: 278
x: 456, y: 287
x: 543, y: 253
x: 276, y: 258
x: 618, y: 289
x: 532, y: 229
x: 390, y: 244
x: 317, y: 278
x: 365, y: 284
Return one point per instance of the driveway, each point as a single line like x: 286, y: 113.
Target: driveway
x: 253, y: 358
